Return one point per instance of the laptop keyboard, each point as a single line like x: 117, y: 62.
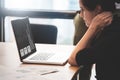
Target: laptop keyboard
x: 42, y: 56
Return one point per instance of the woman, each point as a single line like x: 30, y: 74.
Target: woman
x: 100, y: 44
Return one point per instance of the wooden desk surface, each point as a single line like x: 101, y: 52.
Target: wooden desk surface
x: 12, y: 69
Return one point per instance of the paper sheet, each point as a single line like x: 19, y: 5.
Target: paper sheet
x: 25, y: 73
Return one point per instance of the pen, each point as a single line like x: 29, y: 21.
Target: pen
x: 49, y: 72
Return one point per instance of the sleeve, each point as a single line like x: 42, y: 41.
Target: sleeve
x: 104, y: 49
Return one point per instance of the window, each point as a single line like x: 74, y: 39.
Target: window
x: 42, y: 4
x: 65, y: 26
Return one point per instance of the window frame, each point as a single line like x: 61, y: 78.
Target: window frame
x: 53, y: 14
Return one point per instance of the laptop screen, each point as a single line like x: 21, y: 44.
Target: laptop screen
x: 23, y: 36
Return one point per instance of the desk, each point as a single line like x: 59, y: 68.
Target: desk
x: 12, y: 69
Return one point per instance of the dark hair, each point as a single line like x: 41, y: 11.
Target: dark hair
x: 117, y: 1
x: 106, y: 5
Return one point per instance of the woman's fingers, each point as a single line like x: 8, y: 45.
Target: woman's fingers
x: 102, y: 20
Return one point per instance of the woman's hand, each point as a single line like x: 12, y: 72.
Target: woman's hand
x: 101, y: 20
x: 98, y: 23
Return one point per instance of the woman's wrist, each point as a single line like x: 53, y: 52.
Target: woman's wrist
x: 95, y: 28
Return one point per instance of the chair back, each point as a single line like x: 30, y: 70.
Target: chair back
x: 44, y: 33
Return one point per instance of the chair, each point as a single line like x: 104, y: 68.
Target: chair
x: 44, y: 33
x: 80, y: 28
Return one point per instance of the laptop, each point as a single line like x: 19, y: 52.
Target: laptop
x: 44, y: 53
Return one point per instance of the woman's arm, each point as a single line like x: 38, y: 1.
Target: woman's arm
x: 97, y: 24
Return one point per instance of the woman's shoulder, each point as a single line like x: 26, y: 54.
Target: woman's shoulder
x: 116, y: 16
x: 114, y: 27
x: 116, y: 21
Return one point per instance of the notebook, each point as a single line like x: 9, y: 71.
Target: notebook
x: 30, y: 53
